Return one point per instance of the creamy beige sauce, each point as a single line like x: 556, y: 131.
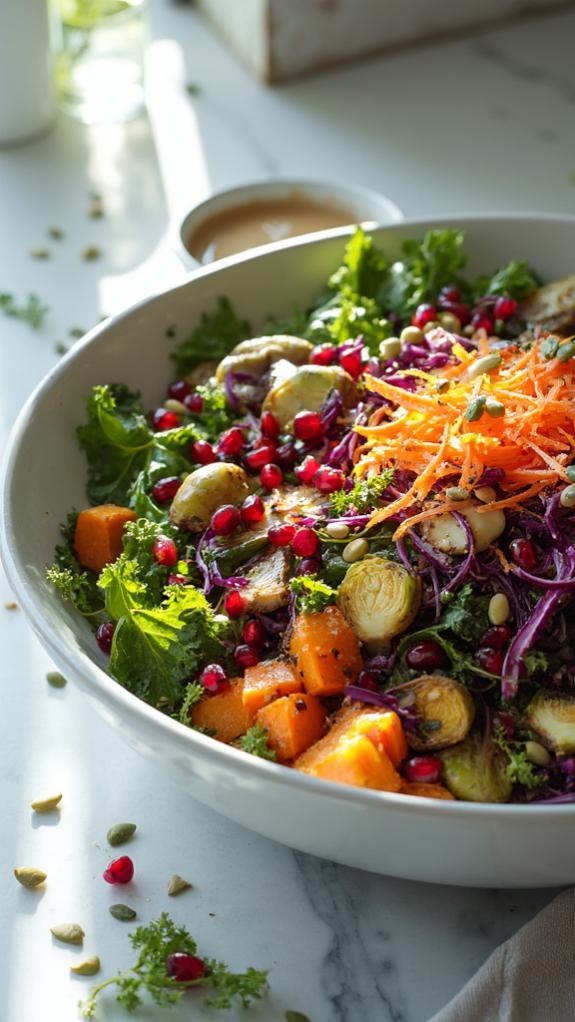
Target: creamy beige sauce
x: 261, y: 221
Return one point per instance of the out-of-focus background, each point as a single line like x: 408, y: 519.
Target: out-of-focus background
x: 116, y: 119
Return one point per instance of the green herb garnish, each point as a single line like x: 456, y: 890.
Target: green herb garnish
x: 364, y: 496
x: 148, y: 975
x: 312, y: 595
x: 255, y: 741
x: 519, y: 769
x: 32, y: 311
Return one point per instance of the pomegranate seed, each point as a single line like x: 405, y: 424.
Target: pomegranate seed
x: 502, y: 719
x: 323, y: 355
x: 497, y: 637
x: 523, y: 553
x: 231, y: 442
x: 104, y: 636
x: 184, y: 968
x: 165, y: 489
x: 481, y: 321
x: 308, y: 566
x: 281, y: 535
x: 449, y: 293
x: 305, y: 543
x: 271, y: 476
x: 425, y: 656
x: 254, y: 633
x: 423, y: 769
x: 459, y: 309
x: 246, y: 656
x: 225, y: 520
x: 490, y: 659
x: 235, y: 604
x: 308, y: 426
x: 423, y: 315
x: 269, y: 425
x: 214, y: 678
x: 504, y: 308
x: 366, y: 680
x: 306, y: 471
x: 165, y: 551
x: 351, y: 362
x: 252, y: 509
x: 177, y: 580
x: 259, y: 457
x: 120, y: 871
x: 203, y: 452
x: 194, y: 403
x: 164, y: 419
x: 328, y: 480
x: 287, y: 454
x: 179, y: 390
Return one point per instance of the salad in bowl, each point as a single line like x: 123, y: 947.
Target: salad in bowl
x: 348, y: 544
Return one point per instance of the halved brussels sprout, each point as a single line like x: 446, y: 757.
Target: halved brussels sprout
x: 552, y: 716
x: 203, y: 490
x: 552, y: 306
x: 307, y: 389
x: 446, y: 708
x: 475, y: 770
x: 267, y: 587
x: 379, y: 599
x: 446, y: 534
x: 256, y: 355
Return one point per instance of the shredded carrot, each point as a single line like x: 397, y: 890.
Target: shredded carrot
x: 426, y: 432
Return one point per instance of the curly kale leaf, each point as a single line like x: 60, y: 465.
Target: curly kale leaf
x: 214, y: 337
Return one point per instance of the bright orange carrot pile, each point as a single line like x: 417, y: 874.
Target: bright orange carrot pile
x: 426, y: 432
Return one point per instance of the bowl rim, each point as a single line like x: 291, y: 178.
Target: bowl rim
x: 241, y: 193
x: 110, y: 692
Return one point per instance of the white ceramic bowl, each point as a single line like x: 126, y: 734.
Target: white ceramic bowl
x: 423, y: 839
x: 366, y: 206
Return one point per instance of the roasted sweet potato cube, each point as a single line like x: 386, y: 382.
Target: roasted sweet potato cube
x: 293, y: 723
x: 267, y: 681
x: 224, y: 713
x: 98, y: 534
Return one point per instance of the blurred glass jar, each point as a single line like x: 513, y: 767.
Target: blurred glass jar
x: 99, y: 57
x: 26, y: 94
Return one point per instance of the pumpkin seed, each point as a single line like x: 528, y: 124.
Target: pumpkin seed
x: 570, y: 471
x: 46, y: 805
x: 494, y: 408
x: 177, y: 884
x: 565, y: 351
x: 486, y: 364
x: 296, y: 1016
x: 567, y: 498
x: 55, y: 679
x: 122, y: 912
x: 498, y: 610
x: 68, y: 933
x: 475, y: 409
x: 337, y: 530
x: 390, y: 348
x: 548, y: 348
x: 537, y: 754
x: 29, y: 877
x: 456, y: 493
x: 120, y: 833
x: 355, y: 550
x: 87, y: 967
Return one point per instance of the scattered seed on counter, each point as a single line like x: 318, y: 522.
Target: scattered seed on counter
x: 68, y: 933
x: 87, y: 967
x: 46, y: 805
x: 76, y: 332
x: 11, y: 605
x: 55, y: 679
x: 120, y: 833
x: 122, y: 912
x: 56, y: 233
x: 30, y: 877
x: 90, y: 253
x: 39, y: 253
x: 177, y: 885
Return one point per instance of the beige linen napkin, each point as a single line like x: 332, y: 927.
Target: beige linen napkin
x: 530, y: 978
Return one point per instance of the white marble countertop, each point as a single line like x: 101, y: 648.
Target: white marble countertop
x: 480, y: 124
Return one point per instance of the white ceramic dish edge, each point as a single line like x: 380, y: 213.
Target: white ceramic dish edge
x: 471, y: 843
